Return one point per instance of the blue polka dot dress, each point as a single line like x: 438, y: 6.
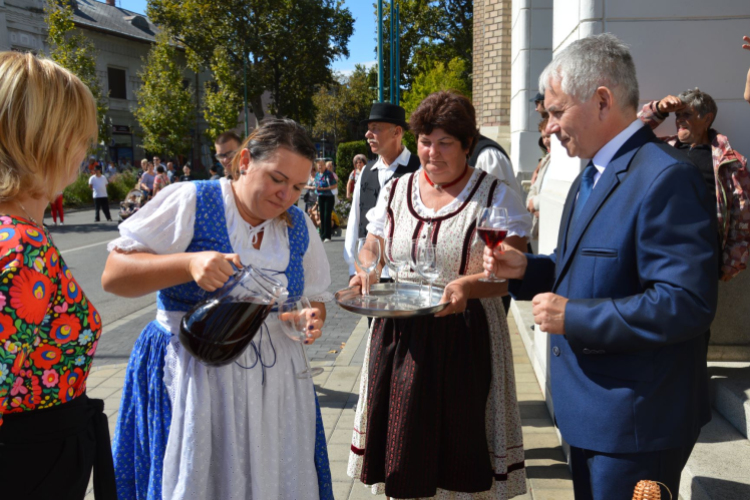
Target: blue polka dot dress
x: 249, y: 430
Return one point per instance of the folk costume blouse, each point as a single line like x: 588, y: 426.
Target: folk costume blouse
x: 48, y: 328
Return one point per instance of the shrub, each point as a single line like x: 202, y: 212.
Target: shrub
x: 120, y: 184
x: 79, y: 192
x: 344, y: 157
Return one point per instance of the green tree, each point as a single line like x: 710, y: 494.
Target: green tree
x: 342, y: 105
x: 438, y: 78
x: 285, y: 47
x: 431, y: 31
x: 165, y: 108
x: 72, y: 50
x: 222, y: 101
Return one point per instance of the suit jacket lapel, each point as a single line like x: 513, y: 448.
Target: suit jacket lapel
x: 607, y: 183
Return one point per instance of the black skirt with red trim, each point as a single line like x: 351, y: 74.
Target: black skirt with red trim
x: 429, y: 379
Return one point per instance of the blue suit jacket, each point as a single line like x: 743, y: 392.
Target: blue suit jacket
x: 639, y: 268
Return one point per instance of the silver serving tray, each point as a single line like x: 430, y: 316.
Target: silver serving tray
x: 385, y: 304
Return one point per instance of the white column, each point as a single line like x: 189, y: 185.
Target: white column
x: 531, y: 51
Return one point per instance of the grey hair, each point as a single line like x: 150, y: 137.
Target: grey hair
x: 699, y: 102
x: 360, y: 157
x: 596, y: 61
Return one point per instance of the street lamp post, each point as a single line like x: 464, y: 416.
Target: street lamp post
x: 380, y: 50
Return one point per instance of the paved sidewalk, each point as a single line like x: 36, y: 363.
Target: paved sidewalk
x: 338, y: 387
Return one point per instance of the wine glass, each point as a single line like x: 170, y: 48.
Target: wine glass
x: 492, y: 228
x: 294, y: 323
x: 395, y: 262
x: 425, y: 255
x: 367, y: 258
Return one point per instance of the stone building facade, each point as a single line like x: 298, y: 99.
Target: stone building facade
x: 122, y: 39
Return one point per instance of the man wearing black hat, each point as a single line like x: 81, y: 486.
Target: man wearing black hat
x: 385, y: 129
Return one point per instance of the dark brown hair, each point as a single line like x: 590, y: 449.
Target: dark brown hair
x: 228, y: 136
x: 450, y: 112
x: 275, y: 133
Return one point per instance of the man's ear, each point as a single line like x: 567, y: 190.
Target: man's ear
x: 605, y: 99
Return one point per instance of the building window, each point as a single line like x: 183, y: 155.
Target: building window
x: 117, y: 87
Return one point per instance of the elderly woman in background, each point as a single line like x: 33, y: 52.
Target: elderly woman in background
x: 437, y: 413
x: 250, y: 429
x: 51, y: 433
x: 359, y: 162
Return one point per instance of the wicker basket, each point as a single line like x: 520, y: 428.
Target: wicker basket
x: 649, y: 490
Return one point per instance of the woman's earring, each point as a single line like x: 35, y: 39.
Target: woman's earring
x: 243, y: 171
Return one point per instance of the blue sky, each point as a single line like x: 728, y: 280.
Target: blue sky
x: 361, y: 44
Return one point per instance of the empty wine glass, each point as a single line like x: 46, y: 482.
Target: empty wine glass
x: 492, y: 228
x: 367, y: 258
x: 293, y: 321
x: 396, y: 263
x: 427, y: 264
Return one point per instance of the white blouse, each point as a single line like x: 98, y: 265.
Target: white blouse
x: 519, y: 219
x: 165, y: 226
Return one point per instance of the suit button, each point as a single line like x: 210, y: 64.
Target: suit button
x: 556, y: 351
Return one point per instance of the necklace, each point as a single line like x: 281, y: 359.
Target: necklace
x: 440, y: 187
x: 27, y: 214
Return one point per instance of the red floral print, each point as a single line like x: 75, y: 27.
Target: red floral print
x: 31, y: 292
x: 48, y: 328
x: 6, y: 327
x: 65, y: 329
x: 45, y: 356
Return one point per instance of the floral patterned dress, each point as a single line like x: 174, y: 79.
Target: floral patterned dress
x: 48, y: 328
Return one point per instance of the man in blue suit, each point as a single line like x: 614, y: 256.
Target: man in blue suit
x: 631, y: 289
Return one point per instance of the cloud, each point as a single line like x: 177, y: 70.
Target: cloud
x: 350, y: 69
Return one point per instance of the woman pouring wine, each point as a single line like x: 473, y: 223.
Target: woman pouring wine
x: 249, y: 429
x: 437, y: 415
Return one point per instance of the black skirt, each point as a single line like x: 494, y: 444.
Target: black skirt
x: 429, y: 379
x: 49, y: 453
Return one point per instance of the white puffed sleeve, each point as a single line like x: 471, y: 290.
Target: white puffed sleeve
x: 519, y: 219
x: 317, y: 269
x: 164, y: 225
x: 377, y: 215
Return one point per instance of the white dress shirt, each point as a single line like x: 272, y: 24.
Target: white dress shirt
x: 496, y: 163
x: 385, y: 172
x: 607, y: 152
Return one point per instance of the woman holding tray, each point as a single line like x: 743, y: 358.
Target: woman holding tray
x: 250, y: 429
x: 437, y: 413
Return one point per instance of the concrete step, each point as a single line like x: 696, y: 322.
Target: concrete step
x: 719, y: 467
x: 730, y: 393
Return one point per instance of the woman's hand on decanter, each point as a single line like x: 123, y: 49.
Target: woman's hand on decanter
x: 210, y: 270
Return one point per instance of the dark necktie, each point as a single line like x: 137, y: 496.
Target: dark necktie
x: 584, y: 191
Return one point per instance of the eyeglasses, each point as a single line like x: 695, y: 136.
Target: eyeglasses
x: 223, y: 156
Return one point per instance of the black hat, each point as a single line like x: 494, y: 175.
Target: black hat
x: 538, y: 97
x: 388, y: 113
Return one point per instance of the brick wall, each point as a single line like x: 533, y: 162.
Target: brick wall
x: 492, y: 62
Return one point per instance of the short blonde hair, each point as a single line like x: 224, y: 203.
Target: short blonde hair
x: 47, y: 121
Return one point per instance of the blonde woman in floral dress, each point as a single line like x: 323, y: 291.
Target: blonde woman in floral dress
x: 437, y: 415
